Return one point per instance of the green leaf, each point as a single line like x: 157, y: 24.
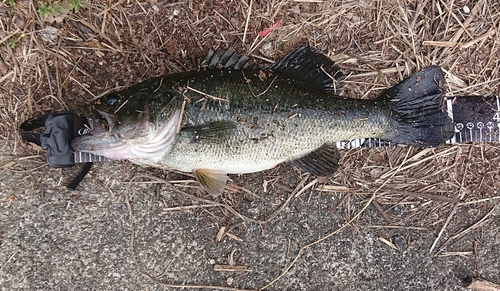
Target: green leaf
x: 44, y: 9
x: 75, y: 5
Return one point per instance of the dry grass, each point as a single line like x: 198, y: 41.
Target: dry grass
x: 109, y: 44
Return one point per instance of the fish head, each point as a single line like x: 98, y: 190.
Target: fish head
x: 133, y: 124
x: 119, y: 114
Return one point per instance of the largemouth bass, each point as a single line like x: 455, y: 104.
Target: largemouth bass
x: 216, y: 121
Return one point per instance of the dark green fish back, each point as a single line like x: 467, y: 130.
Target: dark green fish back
x: 303, y: 82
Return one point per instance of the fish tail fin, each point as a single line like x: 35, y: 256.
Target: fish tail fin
x: 417, y: 107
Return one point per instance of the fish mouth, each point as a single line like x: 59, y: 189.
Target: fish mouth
x: 141, y: 142
x: 100, y: 122
x: 100, y: 137
x: 101, y: 145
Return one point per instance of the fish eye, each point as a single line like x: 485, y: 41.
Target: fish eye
x: 112, y: 99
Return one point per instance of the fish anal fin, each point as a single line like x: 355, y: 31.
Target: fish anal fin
x: 311, y: 66
x: 214, y: 182
x: 322, y: 162
x: 211, y: 132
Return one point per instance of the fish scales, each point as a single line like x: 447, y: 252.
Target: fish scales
x: 216, y: 121
x: 276, y: 119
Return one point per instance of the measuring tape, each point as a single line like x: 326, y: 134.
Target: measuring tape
x: 88, y: 158
x: 476, y: 118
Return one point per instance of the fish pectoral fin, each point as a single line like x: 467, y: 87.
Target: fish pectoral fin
x: 322, y: 162
x: 211, y: 132
x: 213, y: 181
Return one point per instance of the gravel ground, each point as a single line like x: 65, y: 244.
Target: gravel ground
x: 52, y: 238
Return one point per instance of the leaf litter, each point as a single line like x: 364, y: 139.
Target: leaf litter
x: 377, y: 43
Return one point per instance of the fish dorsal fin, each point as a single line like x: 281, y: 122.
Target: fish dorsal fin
x: 227, y: 59
x: 213, y: 181
x: 322, y: 162
x: 211, y: 132
x: 312, y: 66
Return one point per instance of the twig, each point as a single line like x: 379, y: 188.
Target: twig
x: 9, y: 36
x: 427, y: 196
x: 181, y: 116
x: 467, y: 230
x: 83, y: 87
x: 453, y: 211
x: 8, y: 260
x: 298, y: 189
x: 230, y: 268
x: 309, y: 185
x: 480, y: 200
x: 482, y: 285
x: 480, y: 38
x: 287, y: 201
x: 206, y: 94
x: 196, y: 198
x: 188, y: 207
x: 462, y: 254
x: 452, y: 93
x: 439, y: 43
x: 148, y: 276
x: 303, y: 248
x: 394, y: 226
x: 247, y: 21
x: 420, y: 161
x: 263, y: 92
x: 382, y: 211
